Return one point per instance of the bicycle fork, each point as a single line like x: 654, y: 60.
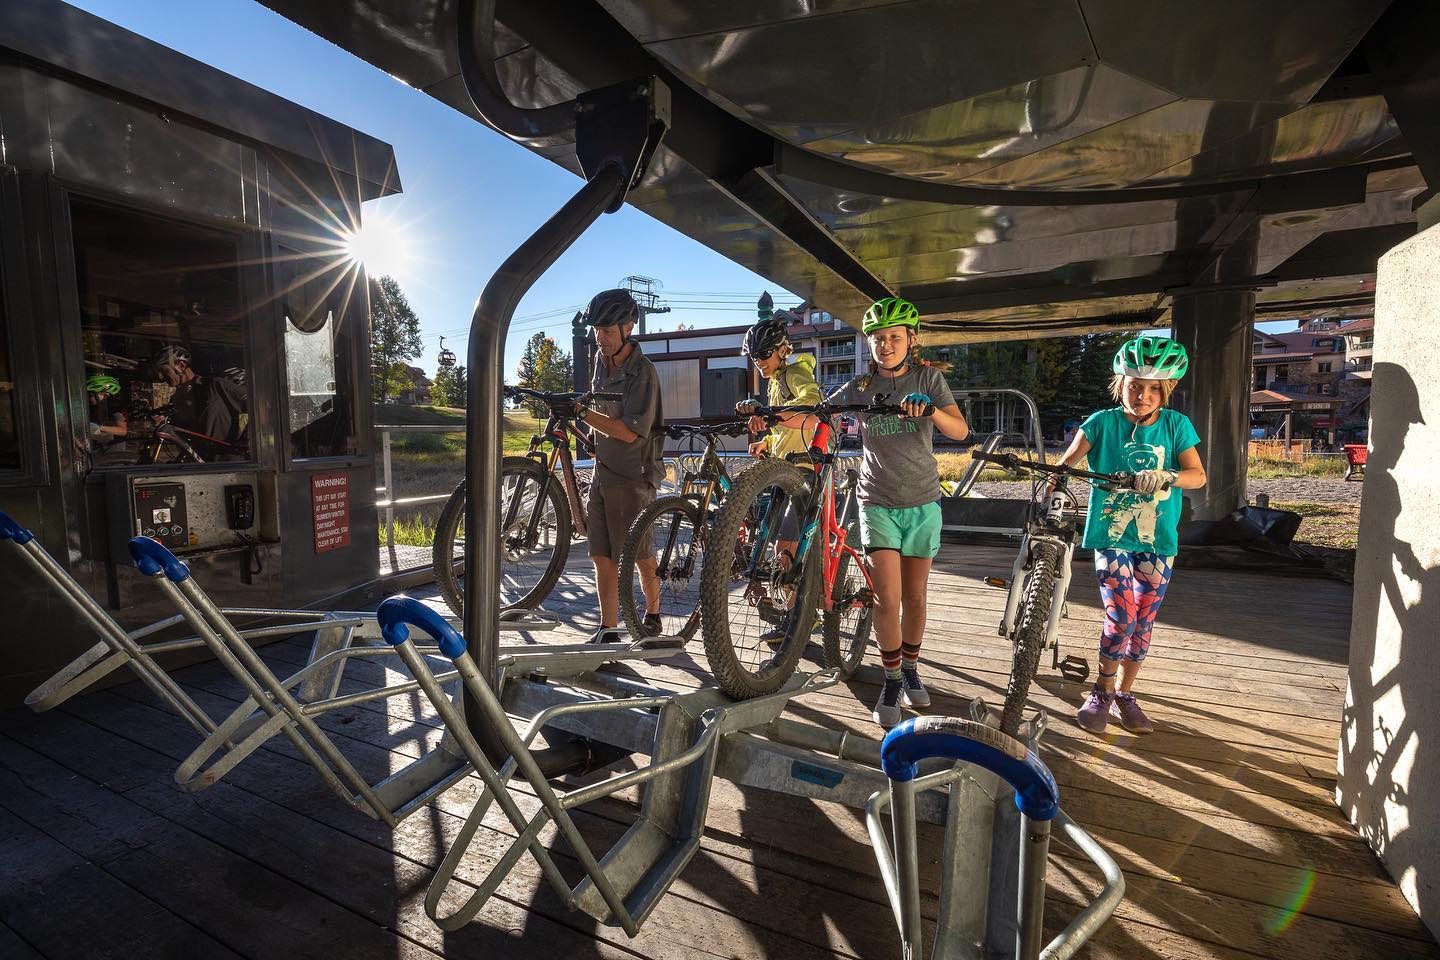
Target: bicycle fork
x: 1057, y: 597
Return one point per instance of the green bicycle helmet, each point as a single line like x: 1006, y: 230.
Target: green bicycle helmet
x: 99, y: 383
x: 1151, y: 358
x: 890, y: 312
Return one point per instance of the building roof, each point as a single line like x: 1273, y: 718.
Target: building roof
x: 1010, y: 180
x: 1262, y: 358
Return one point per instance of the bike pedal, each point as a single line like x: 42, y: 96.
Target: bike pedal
x: 1000, y: 582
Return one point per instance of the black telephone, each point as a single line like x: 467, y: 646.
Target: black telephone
x: 240, y: 506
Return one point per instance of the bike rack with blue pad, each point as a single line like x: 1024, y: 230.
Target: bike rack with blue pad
x: 960, y: 927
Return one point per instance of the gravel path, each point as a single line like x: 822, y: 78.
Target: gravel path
x: 1290, y: 489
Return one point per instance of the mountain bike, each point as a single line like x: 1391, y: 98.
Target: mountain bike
x: 540, y: 513
x: 1035, y: 604
x: 742, y: 596
x: 168, y: 442
x: 674, y: 530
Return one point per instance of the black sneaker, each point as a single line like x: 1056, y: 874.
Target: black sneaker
x: 775, y: 636
x: 650, y: 626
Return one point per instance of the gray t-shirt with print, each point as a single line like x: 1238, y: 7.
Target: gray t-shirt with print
x: 898, y: 464
x: 641, y: 460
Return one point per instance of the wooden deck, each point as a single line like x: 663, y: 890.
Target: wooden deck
x: 1222, y: 819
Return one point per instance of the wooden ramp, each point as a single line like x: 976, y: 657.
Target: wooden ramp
x: 1222, y: 819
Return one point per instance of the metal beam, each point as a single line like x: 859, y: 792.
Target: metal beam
x: 759, y: 192
x: 1403, y: 51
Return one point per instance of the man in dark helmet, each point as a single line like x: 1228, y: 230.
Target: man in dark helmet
x: 628, y: 455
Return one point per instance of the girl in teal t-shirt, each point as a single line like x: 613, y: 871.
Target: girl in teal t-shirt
x: 1133, y: 532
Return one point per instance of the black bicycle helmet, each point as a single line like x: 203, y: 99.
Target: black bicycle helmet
x: 764, y: 337
x: 610, y: 308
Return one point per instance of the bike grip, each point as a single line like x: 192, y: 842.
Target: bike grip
x: 10, y: 530
x: 153, y: 557
x: 978, y: 454
x: 919, y: 738
x: 398, y: 614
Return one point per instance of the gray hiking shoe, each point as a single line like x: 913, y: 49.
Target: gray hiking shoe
x: 1094, y: 714
x: 914, y: 691
x: 887, y: 709
x: 1127, y: 710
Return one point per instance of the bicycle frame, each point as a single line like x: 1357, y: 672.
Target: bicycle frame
x: 700, y: 484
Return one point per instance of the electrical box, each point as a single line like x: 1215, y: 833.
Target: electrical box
x: 192, y: 511
x: 159, y: 513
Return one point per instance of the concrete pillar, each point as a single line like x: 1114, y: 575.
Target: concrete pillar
x: 1389, y: 756
x: 1216, y: 329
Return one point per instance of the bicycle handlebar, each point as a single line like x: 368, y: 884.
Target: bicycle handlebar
x: 679, y: 431
x: 828, y: 410
x: 1013, y: 462
x: 515, y: 393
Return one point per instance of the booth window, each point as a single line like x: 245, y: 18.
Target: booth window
x: 318, y: 373
x: 162, y: 320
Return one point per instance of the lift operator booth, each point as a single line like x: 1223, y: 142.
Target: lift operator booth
x: 175, y: 239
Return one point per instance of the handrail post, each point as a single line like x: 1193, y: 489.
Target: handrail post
x: 389, y: 500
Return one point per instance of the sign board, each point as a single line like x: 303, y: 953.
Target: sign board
x: 330, y: 503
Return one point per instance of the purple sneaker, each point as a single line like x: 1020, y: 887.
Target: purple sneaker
x: 1094, y: 714
x: 1127, y: 710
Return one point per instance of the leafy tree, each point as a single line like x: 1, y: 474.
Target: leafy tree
x: 448, y: 389
x: 544, y: 366
x: 394, y: 338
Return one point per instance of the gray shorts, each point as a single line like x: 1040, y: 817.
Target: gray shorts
x: 610, y: 511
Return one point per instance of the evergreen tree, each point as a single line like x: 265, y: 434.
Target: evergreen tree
x: 448, y: 390
x: 394, y: 338
x: 544, y: 366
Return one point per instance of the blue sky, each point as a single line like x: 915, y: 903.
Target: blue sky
x: 471, y: 196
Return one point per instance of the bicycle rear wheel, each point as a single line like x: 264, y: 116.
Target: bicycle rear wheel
x: 1032, y: 619
x: 529, y: 568
x: 671, y: 532
x: 746, y: 587
x: 848, y: 622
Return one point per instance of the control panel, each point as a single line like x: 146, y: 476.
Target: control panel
x: 193, y: 511
x: 159, y: 512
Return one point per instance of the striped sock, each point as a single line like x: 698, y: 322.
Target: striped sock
x: 890, y: 660
x: 910, y: 653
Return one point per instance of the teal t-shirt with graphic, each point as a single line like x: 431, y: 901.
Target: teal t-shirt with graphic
x: 1126, y: 519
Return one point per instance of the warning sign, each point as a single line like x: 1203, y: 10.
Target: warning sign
x: 330, y: 501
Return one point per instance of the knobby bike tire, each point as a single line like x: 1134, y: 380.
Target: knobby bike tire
x: 1033, y: 619
x: 680, y: 509
x: 847, y: 629
x: 732, y: 675
x: 449, y: 568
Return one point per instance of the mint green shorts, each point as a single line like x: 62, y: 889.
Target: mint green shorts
x: 914, y: 531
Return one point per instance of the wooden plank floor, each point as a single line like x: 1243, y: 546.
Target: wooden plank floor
x: 1222, y: 819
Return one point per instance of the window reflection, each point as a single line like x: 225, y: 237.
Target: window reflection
x: 161, y: 317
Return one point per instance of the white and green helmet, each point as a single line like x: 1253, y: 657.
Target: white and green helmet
x: 1151, y: 358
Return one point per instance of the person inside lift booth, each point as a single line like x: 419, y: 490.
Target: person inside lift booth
x: 214, y: 407
x: 628, y: 455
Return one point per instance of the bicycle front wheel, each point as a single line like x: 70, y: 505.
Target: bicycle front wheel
x: 747, y: 585
x: 530, y: 562
x: 849, y: 620
x: 671, y: 532
x: 1032, y: 619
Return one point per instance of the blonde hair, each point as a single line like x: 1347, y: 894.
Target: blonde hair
x: 1117, y: 388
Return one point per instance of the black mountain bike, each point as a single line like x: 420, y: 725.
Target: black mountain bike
x: 743, y: 597
x: 675, y: 530
x: 540, y: 513
x: 1041, y: 577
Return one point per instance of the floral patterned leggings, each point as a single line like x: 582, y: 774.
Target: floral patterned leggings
x: 1131, y: 587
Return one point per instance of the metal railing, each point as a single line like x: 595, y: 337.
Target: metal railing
x: 385, y: 500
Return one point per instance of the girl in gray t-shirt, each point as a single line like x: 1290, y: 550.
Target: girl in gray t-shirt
x: 900, y: 492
